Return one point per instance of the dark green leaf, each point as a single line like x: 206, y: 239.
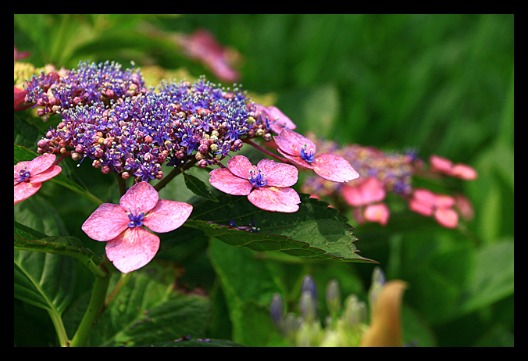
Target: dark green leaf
x: 314, y: 231
x: 27, y: 239
x: 198, y: 187
x: 148, y: 311
x: 192, y: 342
x: 44, y: 280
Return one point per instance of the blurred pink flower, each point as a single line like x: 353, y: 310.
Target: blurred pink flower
x: 21, y: 55
x: 439, y: 206
x: 302, y: 152
x: 364, y: 194
x: 29, y: 175
x: 277, y: 119
x: 267, y: 185
x: 463, y: 204
x: 20, y: 99
x: 202, y: 46
x: 130, y: 245
x: 445, y: 166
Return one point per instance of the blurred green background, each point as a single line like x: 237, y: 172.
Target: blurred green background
x: 442, y: 84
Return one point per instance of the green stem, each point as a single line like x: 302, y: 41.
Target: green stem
x: 122, y: 184
x: 174, y: 172
x: 265, y: 151
x: 59, y: 329
x: 95, y: 308
x: 119, y: 285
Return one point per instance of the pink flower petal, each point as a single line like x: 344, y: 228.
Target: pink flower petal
x: 419, y: 206
x: 20, y: 99
x: 141, y: 197
x: 463, y: 204
x: 443, y: 201
x: 297, y: 160
x: 446, y: 217
x: 225, y: 181
x: 167, y: 216
x: 377, y: 213
x: 334, y: 168
x: 132, y: 249
x: 277, y: 119
x: 275, y: 199
x: 353, y: 195
x: 40, y: 163
x: 424, y: 196
x: 291, y: 142
x: 106, y: 222
x: 278, y: 174
x: 46, y: 175
x: 464, y: 172
x: 440, y: 164
x: 240, y: 166
x: 25, y: 190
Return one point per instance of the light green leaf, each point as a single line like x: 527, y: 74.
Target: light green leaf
x: 492, y: 278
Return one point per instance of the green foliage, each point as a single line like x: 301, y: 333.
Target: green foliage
x: 442, y: 84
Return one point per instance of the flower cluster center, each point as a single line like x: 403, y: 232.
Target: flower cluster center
x: 136, y: 220
x: 23, y: 175
x: 307, y: 155
x: 257, y: 178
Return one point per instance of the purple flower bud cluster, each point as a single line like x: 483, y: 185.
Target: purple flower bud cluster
x: 109, y: 117
x: 88, y: 84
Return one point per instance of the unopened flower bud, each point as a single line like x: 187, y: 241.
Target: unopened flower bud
x: 333, y: 297
x: 378, y: 280
x: 277, y: 310
x: 355, y: 311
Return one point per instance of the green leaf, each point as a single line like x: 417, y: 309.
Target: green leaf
x: 315, y: 230
x: 492, y: 278
x: 22, y: 153
x: 148, y: 311
x: 27, y: 239
x: 38, y: 214
x: 198, y: 187
x: 236, y: 268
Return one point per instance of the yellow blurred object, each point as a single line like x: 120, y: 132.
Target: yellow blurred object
x: 385, y: 328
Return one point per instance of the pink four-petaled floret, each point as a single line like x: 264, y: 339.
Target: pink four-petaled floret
x: 267, y: 185
x: 29, y: 175
x: 302, y: 152
x: 439, y: 206
x: 129, y: 244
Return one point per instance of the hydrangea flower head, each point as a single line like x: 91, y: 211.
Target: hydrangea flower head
x: 267, y: 185
x: 127, y: 227
x: 29, y: 175
x: 302, y: 152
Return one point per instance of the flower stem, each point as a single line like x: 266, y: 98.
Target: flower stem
x: 165, y: 180
x: 95, y: 308
x: 122, y: 184
x: 265, y: 151
x: 59, y: 328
